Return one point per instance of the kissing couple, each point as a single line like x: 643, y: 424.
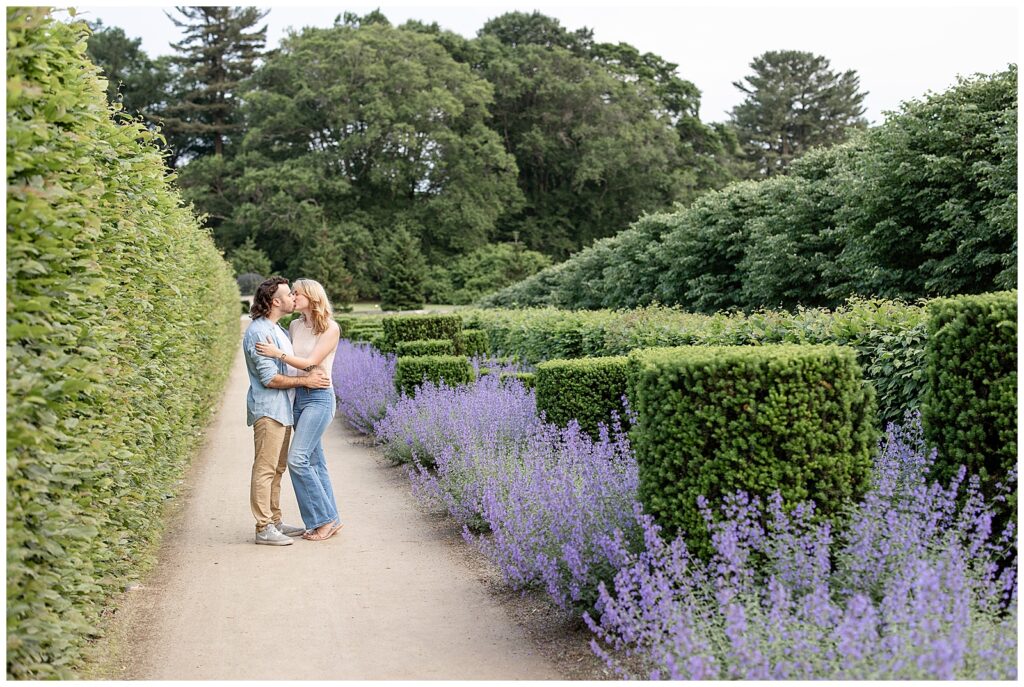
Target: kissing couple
x: 289, y: 405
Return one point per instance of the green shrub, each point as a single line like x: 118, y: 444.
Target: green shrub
x: 248, y: 282
x: 970, y: 407
x: 419, y: 327
x: 889, y: 337
x: 412, y: 370
x: 121, y: 329
x: 426, y: 347
x: 713, y: 420
x: 245, y: 307
x: 378, y: 342
x: 474, y: 342
x: 529, y: 379
x: 587, y: 390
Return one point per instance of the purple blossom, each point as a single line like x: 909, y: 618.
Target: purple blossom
x: 911, y: 585
x: 364, y: 383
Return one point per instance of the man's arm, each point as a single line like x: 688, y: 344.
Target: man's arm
x: 317, y: 379
x: 268, y: 373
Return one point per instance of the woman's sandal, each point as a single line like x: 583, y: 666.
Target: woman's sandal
x: 316, y: 536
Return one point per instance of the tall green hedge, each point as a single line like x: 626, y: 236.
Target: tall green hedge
x: 586, y: 389
x: 889, y: 337
x: 713, y: 420
x: 122, y: 321
x: 970, y: 408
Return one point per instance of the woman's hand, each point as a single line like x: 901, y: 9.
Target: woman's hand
x: 268, y: 349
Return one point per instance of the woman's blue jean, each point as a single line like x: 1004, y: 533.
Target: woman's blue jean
x: 306, y: 461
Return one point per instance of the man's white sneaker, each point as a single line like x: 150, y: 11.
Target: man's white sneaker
x: 289, y: 530
x: 270, y: 535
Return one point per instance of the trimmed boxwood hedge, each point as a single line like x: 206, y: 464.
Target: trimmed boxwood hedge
x: 970, y: 408
x: 889, y: 337
x: 426, y: 347
x: 410, y: 371
x: 419, y: 327
x: 474, y: 343
x: 713, y: 420
x: 122, y: 322
x: 529, y: 379
x: 585, y: 389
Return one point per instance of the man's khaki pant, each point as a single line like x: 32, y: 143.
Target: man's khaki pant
x: 267, y: 468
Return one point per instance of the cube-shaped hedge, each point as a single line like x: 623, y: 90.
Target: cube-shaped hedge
x: 474, y: 342
x: 714, y: 420
x: 970, y: 406
x: 419, y: 327
x: 426, y: 347
x: 528, y: 379
x: 412, y: 370
x: 587, y: 389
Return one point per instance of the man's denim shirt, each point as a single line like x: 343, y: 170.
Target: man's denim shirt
x: 262, y: 401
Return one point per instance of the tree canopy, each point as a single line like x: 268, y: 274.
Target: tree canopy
x: 794, y: 102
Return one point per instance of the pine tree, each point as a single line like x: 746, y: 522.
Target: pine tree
x: 219, y: 51
x: 794, y: 102
x: 405, y: 272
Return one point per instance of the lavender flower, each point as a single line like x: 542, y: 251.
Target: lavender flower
x: 912, y: 586
x: 364, y: 383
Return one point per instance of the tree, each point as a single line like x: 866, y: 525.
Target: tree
x: 794, y: 102
x: 248, y: 259
x: 493, y: 267
x: 218, y: 52
x: 405, y: 270
x: 601, y: 132
x: 360, y: 129
x: 930, y: 205
x: 594, y: 150
x: 138, y: 83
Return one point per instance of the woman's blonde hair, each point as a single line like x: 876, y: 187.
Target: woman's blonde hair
x: 320, y: 311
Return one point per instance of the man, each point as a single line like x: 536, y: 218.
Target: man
x: 269, y: 408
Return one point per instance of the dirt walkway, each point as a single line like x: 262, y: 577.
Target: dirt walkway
x: 385, y: 599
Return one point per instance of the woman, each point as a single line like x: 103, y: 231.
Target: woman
x: 314, y: 338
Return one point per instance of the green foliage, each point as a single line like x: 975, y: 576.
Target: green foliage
x: 218, y: 52
x: 970, y: 407
x: 889, y: 337
x: 474, y: 342
x: 136, y: 82
x: 529, y: 379
x: 930, y: 205
x: 713, y: 420
x: 411, y: 371
x: 321, y: 258
x: 247, y: 258
x: 400, y: 141
x: 594, y: 149
x: 399, y: 328
x: 601, y: 132
x: 121, y: 326
x: 922, y: 206
x: 587, y: 390
x: 401, y: 287
x: 793, y: 103
x: 492, y: 267
x: 426, y: 347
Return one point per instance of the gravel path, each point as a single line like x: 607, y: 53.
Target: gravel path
x: 387, y: 598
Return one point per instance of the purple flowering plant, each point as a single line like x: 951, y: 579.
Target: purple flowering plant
x: 364, y: 383
x: 911, y: 584
x: 552, y: 516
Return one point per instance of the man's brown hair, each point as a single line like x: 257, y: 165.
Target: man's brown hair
x: 264, y: 297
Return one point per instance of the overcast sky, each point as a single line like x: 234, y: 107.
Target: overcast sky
x: 900, y: 49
